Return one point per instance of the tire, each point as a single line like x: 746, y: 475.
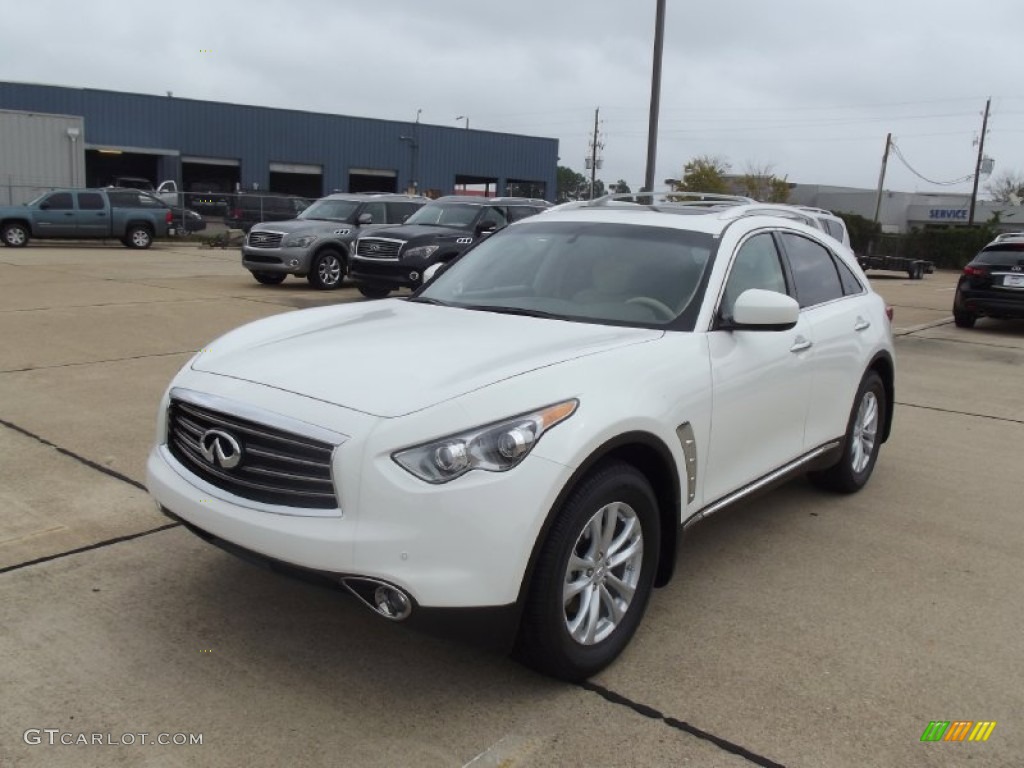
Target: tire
x: 327, y: 272
x: 964, y: 319
x: 548, y: 642
x: 919, y: 271
x: 138, y: 237
x: 863, y: 439
x: 269, y: 278
x: 15, y: 235
x: 373, y: 291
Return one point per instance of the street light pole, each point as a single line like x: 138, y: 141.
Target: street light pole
x: 652, y: 123
x: 463, y: 117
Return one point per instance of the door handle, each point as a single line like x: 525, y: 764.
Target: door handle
x: 862, y: 324
x: 69, y: 213
x: 800, y: 344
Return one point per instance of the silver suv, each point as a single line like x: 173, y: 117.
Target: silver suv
x: 317, y: 243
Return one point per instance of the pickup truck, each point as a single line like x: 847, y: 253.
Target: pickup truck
x: 132, y: 217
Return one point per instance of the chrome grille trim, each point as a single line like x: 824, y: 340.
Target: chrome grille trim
x: 387, y: 248
x: 264, y: 239
x: 280, y: 465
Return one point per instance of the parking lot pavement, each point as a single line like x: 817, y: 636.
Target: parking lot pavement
x: 801, y: 630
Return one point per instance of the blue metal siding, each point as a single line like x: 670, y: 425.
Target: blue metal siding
x: 258, y: 136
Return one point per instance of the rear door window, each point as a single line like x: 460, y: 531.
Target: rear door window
x: 90, y: 201
x: 814, y: 271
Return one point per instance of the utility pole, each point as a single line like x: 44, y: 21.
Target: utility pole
x: 595, y: 145
x: 977, y: 167
x: 881, y: 175
x: 652, y: 121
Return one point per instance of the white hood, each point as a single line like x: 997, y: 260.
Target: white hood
x: 392, y: 357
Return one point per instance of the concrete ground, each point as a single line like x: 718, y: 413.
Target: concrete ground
x: 802, y: 629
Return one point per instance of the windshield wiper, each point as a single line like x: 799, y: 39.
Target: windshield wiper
x: 503, y: 310
x: 428, y: 300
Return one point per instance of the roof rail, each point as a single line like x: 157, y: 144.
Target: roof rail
x: 677, y: 197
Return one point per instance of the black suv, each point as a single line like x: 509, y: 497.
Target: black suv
x: 438, y: 232
x: 992, y: 285
x: 250, y: 208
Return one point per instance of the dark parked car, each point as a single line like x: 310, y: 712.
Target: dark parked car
x: 992, y: 285
x: 397, y: 257
x: 249, y: 208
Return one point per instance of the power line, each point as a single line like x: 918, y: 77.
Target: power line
x: 899, y: 154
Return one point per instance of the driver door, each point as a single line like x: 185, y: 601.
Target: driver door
x: 56, y: 216
x: 761, y: 379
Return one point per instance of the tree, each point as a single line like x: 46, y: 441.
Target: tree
x: 705, y: 173
x: 1006, y: 187
x: 575, y: 186
x: 761, y: 183
x: 620, y: 186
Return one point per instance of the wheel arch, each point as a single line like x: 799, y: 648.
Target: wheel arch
x: 650, y: 456
x: 882, y: 364
x: 17, y: 220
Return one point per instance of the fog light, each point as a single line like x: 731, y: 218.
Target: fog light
x: 391, y: 603
x: 414, y: 276
x: 293, y: 263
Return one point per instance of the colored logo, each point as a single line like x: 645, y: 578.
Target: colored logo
x: 958, y: 730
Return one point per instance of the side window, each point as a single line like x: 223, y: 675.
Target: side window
x: 59, y: 201
x: 519, y: 212
x: 90, y: 201
x: 494, y: 215
x: 756, y: 265
x: 851, y: 285
x: 814, y: 271
x: 399, y: 212
x: 377, y: 211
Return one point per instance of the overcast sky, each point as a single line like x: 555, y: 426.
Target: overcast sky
x: 809, y: 88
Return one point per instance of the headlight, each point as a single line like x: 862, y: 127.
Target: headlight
x: 298, y: 242
x: 494, y: 447
x: 420, y: 252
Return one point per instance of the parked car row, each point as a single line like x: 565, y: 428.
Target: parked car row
x: 382, y: 241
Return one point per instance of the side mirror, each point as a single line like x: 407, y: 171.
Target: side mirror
x: 759, y: 310
x: 365, y: 218
x: 44, y: 206
x: 434, y: 270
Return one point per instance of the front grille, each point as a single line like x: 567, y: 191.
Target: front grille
x: 276, y: 467
x: 378, y: 248
x: 265, y: 239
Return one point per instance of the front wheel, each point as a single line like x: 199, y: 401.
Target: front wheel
x: 269, y: 278
x: 327, y: 271
x: 593, y: 576
x: 863, y: 439
x: 373, y: 291
x: 138, y: 237
x: 15, y: 235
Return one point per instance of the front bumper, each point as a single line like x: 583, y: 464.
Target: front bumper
x: 391, y: 273
x: 465, y: 544
x: 289, y: 261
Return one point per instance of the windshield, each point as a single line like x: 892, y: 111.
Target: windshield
x: 331, y: 210
x: 445, y: 214
x: 616, y: 273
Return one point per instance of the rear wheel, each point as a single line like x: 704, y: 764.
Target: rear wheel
x: 593, y: 576
x: 138, y: 237
x: 963, y: 319
x: 373, y: 291
x: 15, y: 235
x: 327, y: 270
x: 863, y: 439
x: 269, y: 278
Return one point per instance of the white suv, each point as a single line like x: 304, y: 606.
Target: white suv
x: 515, y: 450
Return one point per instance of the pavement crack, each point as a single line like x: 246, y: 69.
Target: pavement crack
x: 98, y: 362
x: 88, y: 547
x: 77, y: 457
x: 679, y: 725
x: 960, y: 413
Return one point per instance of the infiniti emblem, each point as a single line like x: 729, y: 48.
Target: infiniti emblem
x: 220, y: 448
x: 1017, y: 269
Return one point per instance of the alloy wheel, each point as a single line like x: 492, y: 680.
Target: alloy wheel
x: 865, y: 432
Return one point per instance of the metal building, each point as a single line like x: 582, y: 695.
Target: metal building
x: 38, y: 152
x: 205, y: 145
